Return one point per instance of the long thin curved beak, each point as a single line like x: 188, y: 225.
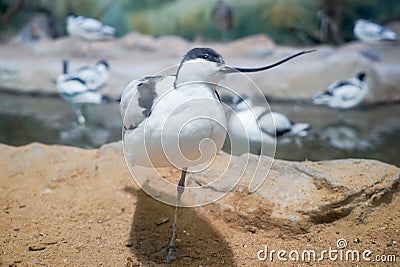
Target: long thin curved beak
x: 226, y: 69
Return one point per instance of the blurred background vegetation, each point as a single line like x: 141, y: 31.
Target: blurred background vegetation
x: 285, y: 21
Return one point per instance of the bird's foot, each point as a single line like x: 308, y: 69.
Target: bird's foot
x: 172, y: 253
x: 81, y: 120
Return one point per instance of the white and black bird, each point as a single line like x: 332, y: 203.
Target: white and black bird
x: 95, y: 76
x: 260, y: 125
x: 368, y: 31
x: 81, y: 87
x: 89, y: 29
x: 167, y: 118
x: 344, y: 94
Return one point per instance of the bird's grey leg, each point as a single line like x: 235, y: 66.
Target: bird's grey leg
x: 79, y: 115
x: 342, y: 115
x: 171, y: 249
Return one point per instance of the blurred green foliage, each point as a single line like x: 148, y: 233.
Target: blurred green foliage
x: 285, y: 21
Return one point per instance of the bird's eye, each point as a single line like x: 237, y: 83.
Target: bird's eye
x: 205, y: 56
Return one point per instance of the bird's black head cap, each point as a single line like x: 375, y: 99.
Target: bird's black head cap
x: 361, y: 76
x: 103, y: 62
x: 71, y: 14
x: 204, y: 53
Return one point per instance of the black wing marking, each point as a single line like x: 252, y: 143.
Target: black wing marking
x: 147, y: 94
x: 141, y: 103
x: 76, y: 79
x: 275, y: 131
x: 338, y: 85
x: 281, y: 132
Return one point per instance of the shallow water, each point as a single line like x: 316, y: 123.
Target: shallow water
x: 372, y: 133
x: 50, y: 120
x: 369, y: 132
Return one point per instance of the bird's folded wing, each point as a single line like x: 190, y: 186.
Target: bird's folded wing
x: 138, y: 98
x: 71, y: 86
x: 266, y: 123
x: 373, y: 29
x: 349, y: 92
x: 337, y: 86
x: 91, y: 75
x: 90, y: 25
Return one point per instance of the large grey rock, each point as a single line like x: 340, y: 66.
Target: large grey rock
x: 294, y: 195
x: 136, y: 55
x: 299, y: 194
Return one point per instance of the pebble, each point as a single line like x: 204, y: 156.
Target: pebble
x: 251, y: 229
x: 131, y: 262
x: 162, y: 221
x: 37, y: 247
x: 129, y: 243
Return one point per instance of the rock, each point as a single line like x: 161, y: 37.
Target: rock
x: 162, y: 221
x: 298, y: 194
x: 136, y: 40
x: 136, y: 55
x: 173, y: 45
x: 37, y: 247
x: 170, y: 44
x: 132, y: 262
x: 256, y: 46
x: 303, y: 77
x: 294, y: 195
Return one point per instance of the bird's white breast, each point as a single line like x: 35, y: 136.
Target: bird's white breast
x: 186, y: 128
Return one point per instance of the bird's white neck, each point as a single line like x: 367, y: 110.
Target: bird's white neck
x: 198, y: 72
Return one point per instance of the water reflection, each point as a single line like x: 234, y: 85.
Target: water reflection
x: 91, y: 136
x: 50, y: 120
x: 368, y: 132
x: 372, y: 133
x: 344, y: 137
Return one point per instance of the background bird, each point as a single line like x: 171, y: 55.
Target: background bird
x: 95, y: 76
x: 178, y: 120
x: 80, y: 87
x: 261, y: 125
x: 368, y: 31
x: 89, y: 29
x: 344, y: 94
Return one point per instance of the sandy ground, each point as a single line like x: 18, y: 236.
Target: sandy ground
x: 89, y: 214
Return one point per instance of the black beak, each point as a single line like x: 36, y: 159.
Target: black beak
x: 227, y: 69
